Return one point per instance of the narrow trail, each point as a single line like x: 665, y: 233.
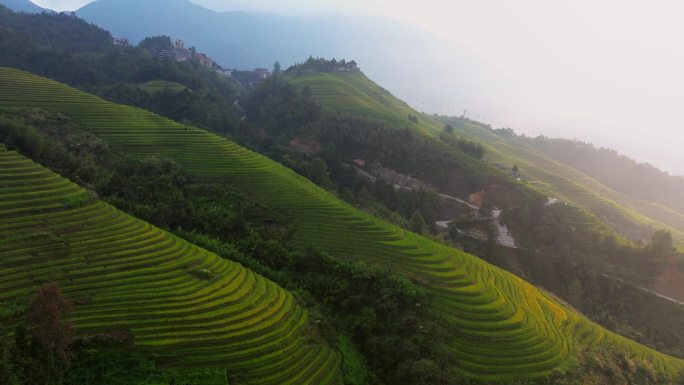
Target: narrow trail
x: 651, y: 291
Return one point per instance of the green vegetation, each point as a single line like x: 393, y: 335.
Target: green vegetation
x: 80, y: 54
x: 178, y: 303
x: 353, y: 93
x: 639, y: 186
x: 561, y: 244
x: 632, y: 216
x: 504, y: 328
x: 154, y: 86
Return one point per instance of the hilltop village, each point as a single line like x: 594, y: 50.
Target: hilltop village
x: 176, y: 51
x: 179, y: 53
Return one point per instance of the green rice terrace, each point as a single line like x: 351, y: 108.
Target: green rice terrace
x: 155, y: 86
x: 354, y: 93
x: 184, y: 305
x: 507, y: 328
x: 622, y: 212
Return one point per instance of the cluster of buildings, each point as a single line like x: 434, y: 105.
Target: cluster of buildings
x: 177, y: 53
x: 247, y: 78
x: 121, y: 41
x: 345, y: 66
x: 252, y: 78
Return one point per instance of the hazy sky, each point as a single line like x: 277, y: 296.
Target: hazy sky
x: 605, y: 71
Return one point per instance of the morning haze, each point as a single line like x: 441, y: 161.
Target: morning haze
x: 606, y: 72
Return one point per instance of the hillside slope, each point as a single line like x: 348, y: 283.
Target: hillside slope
x: 631, y: 216
x: 506, y: 328
x: 181, y: 304
x: 641, y: 185
x: 354, y: 93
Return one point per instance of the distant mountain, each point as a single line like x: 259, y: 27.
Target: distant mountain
x: 422, y: 68
x: 23, y: 6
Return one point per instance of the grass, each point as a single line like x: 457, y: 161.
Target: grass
x: 180, y: 303
x: 155, y: 86
x: 353, y: 93
x: 507, y: 329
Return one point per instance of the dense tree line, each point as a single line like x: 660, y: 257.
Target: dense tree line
x: 559, y: 230
x: 404, y: 151
x: 468, y: 146
x: 277, y: 106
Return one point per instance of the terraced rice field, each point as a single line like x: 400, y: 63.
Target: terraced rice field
x: 186, y: 306
x: 353, y: 93
x: 625, y: 214
x: 507, y: 328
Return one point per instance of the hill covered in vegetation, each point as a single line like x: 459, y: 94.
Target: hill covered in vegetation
x: 561, y: 245
x: 504, y: 328
x: 184, y: 306
x: 634, y: 215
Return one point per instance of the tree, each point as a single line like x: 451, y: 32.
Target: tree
x: 277, y: 71
x: 661, y: 243
x: 449, y: 129
x: 347, y: 195
x: 154, y: 45
x: 417, y: 222
x: 51, y: 334
x: 575, y: 292
x: 319, y: 172
x: 364, y: 196
x: 8, y: 375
